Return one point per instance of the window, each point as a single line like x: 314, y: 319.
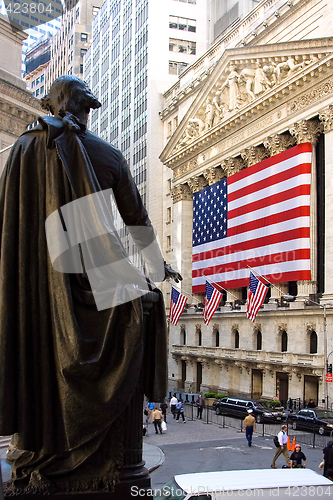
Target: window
x: 259, y: 341
x: 183, y: 336
x: 83, y: 52
x: 184, y: 46
x: 177, y: 68
x: 84, y: 37
x: 95, y: 10
x: 168, y: 215
x: 217, y: 338
x: 37, y: 92
x: 198, y: 337
x: 81, y: 68
x: 168, y: 241
x: 42, y: 78
x: 313, y: 343
x: 236, y: 339
x: 284, y: 341
x: 42, y: 90
x: 33, y: 84
x: 37, y: 81
x: 181, y: 23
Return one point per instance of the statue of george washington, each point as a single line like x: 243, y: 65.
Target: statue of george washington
x: 75, y: 350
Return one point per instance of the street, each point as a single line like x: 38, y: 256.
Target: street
x: 200, y: 447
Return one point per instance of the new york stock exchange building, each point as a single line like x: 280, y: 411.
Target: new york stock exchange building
x: 248, y: 159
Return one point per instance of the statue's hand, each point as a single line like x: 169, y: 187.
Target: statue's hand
x: 171, y: 273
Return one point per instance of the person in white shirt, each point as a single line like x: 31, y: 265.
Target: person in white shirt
x: 283, y: 440
x: 173, y: 403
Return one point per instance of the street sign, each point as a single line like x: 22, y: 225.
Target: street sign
x: 329, y: 377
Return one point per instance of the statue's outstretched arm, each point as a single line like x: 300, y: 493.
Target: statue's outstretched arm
x: 171, y: 273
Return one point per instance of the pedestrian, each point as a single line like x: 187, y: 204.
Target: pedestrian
x: 283, y: 439
x: 173, y: 403
x: 249, y: 426
x: 200, y: 406
x: 157, y: 420
x: 311, y: 404
x: 297, y: 457
x: 328, y: 460
x: 150, y: 407
x: 180, y: 410
x: 164, y: 408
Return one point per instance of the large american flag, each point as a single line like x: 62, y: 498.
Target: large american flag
x: 212, y: 300
x: 255, y: 297
x: 259, y: 217
x: 177, y: 304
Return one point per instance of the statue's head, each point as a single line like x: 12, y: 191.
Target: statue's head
x: 69, y: 93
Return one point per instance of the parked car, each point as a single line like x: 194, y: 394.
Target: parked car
x: 238, y: 408
x: 312, y: 420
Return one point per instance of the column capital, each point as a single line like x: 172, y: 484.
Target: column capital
x: 197, y: 183
x: 181, y: 192
x: 326, y: 117
x: 279, y: 142
x: 254, y: 154
x: 213, y: 175
x: 233, y: 165
x: 307, y: 131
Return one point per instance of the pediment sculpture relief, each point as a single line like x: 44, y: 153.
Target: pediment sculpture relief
x: 245, y: 81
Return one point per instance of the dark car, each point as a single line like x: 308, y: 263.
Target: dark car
x: 238, y: 408
x: 312, y: 420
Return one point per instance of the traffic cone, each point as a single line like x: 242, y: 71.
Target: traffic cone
x: 288, y: 445
x: 293, y: 444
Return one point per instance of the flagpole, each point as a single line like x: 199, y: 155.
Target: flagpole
x: 219, y: 286
x: 185, y: 293
x: 263, y: 277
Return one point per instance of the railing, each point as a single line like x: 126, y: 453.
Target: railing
x: 310, y: 438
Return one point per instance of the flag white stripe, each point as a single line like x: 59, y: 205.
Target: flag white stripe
x: 269, y: 269
x: 284, y: 246
x: 261, y: 232
x: 279, y: 187
x: 281, y: 166
x: 277, y: 208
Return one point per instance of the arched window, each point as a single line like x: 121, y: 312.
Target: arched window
x: 236, y: 339
x: 284, y: 341
x: 259, y: 340
x: 313, y: 343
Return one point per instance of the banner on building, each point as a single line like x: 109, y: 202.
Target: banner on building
x: 258, y: 217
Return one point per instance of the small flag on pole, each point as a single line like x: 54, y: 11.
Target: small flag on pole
x: 212, y: 300
x: 255, y: 298
x: 177, y: 304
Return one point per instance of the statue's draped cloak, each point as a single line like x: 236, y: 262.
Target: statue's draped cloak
x: 67, y: 370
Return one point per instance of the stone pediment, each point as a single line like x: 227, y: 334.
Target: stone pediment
x: 245, y: 85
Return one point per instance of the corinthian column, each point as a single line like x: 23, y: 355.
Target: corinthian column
x: 326, y: 117
x: 182, y: 232
x: 309, y: 131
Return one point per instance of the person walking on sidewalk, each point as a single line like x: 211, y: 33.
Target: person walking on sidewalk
x: 164, y: 408
x: 180, y: 410
x: 157, y: 420
x: 200, y: 406
x: 249, y: 426
x: 173, y: 404
x: 282, y: 449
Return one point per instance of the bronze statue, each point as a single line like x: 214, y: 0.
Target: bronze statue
x: 68, y: 370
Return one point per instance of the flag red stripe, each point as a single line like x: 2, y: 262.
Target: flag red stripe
x: 273, y: 180
x: 293, y: 234
x: 269, y: 220
x: 259, y: 167
x: 270, y: 200
x: 262, y: 260
x: 297, y: 275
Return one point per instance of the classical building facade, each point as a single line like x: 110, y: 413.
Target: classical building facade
x: 271, y: 91
x: 17, y: 106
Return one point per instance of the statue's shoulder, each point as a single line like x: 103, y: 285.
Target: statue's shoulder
x: 92, y: 142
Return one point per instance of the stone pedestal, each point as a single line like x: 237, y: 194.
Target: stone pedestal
x: 134, y: 476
